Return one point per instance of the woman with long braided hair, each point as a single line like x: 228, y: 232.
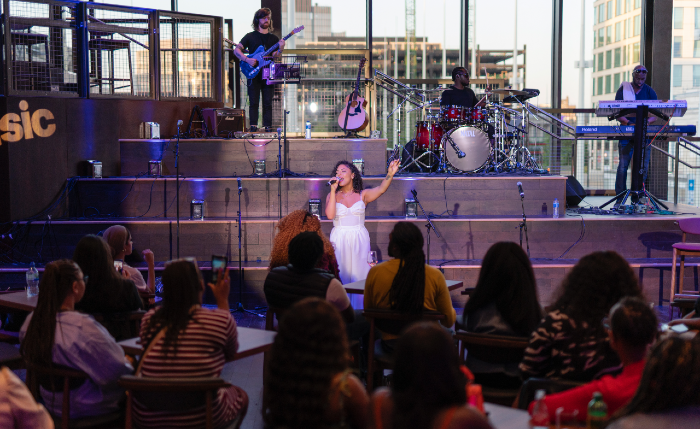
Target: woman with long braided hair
x: 406, y: 283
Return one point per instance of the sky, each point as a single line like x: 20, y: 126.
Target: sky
x: 495, y: 25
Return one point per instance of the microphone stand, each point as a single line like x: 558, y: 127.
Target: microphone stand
x: 428, y: 225
x: 523, y: 225
x: 239, y: 307
x: 280, y: 171
x: 177, y: 185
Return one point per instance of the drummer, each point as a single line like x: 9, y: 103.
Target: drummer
x: 459, y: 94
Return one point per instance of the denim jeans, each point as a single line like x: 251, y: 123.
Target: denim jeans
x: 626, y: 150
x: 255, y: 86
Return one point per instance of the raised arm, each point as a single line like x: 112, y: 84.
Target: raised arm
x: 372, y: 194
x: 330, y: 200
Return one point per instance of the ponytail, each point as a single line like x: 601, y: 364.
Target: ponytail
x: 407, y: 294
x: 55, y: 285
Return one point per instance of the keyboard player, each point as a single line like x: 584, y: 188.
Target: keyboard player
x: 630, y: 91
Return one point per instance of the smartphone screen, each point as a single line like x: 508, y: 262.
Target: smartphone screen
x: 119, y: 265
x: 679, y: 328
x: 218, y: 264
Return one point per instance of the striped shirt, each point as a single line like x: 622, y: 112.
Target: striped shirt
x: 209, y: 341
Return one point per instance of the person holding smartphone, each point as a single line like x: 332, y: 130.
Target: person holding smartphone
x: 122, y: 245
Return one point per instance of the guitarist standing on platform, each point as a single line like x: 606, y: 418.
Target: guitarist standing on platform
x: 262, y: 24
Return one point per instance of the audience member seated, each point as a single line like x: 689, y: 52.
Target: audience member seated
x: 54, y: 333
x: 289, y: 227
x: 121, y: 244
x: 669, y: 392
x: 504, y: 302
x: 107, y: 291
x: 18, y: 410
x: 632, y: 329
x: 286, y: 285
x: 190, y: 341
x: 406, y: 284
x: 428, y: 388
x: 570, y: 342
x: 308, y: 383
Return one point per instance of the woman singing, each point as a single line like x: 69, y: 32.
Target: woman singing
x: 346, y: 205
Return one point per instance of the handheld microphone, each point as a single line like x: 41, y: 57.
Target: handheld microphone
x: 279, y: 132
x: 332, y: 181
x: 240, y: 188
x: 520, y: 189
x: 179, y: 122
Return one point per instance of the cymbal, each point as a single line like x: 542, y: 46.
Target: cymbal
x: 507, y: 91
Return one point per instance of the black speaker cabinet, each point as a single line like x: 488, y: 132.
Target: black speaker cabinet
x: 223, y: 122
x: 574, y: 192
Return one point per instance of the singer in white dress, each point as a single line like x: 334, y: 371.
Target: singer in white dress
x: 346, y: 205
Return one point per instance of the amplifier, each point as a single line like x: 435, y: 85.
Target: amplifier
x: 223, y: 122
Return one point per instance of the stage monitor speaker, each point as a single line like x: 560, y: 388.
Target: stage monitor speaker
x: 574, y: 192
x: 223, y: 122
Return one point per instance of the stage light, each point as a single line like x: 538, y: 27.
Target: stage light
x: 94, y: 169
x: 155, y: 167
x: 360, y: 165
x: 315, y: 207
x: 313, y: 107
x: 259, y: 167
x: 197, y: 210
x: 411, y: 208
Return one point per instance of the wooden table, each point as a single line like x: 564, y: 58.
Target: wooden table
x: 18, y: 301
x: 358, y: 287
x: 250, y: 342
x: 502, y: 417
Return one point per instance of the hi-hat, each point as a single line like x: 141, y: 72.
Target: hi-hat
x: 508, y: 91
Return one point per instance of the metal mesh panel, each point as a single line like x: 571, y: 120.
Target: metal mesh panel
x: 118, y: 46
x: 186, y: 46
x: 42, y: 46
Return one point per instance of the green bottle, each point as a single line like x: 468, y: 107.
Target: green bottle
x: 597, y: 412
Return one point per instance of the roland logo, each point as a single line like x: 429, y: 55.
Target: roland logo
x: 467, y: 133
x: 27, y: 125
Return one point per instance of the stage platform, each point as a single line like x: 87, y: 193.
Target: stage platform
x: 234, y: 157
x: 148, y: 197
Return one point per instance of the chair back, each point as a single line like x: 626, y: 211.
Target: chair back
x: 394, y: 322
x: 171, y: 395
x: 46, y: 377
x: 532, y: 385
x: 690, y: 225
x: 492, y: 348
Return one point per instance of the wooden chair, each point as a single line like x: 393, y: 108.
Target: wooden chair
x: 391, y: 322
x: 47, y: 378
x: 175, y: 395
x: 493, y: 349
x: 683, y: 249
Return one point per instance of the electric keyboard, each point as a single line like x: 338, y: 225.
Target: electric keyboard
x: 625, y: 132
x: 675, y: 108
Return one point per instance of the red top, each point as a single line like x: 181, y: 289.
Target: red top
x: 617, y: 392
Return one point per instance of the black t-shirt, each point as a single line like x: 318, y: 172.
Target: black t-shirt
x: 458, y: 97
x: 255, y: 39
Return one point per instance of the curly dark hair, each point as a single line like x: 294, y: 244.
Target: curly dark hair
x: 289, y: 227
x: 407, y: 293
x: 310, y: 349
x: 507, y: 280
x: 356, y: 181
x: 671, y: 379
x: 427, y: 377
x: 260, y: 14
x: 594, y: 285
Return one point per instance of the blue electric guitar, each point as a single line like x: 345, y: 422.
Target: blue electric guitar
x: 260, y: 54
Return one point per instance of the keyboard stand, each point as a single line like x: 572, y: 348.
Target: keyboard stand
x: 640, y: 141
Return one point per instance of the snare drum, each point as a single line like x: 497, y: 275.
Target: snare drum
x: 453, y: 114
x: 423, y: 130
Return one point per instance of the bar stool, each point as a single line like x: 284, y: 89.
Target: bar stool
x: 682, y: 249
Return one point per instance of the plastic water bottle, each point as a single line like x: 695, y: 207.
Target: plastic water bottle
x: 555, y: 208
x: 540, y: 414
x: 308, y: 129
x: 32, y: 281
x: 597, y: 412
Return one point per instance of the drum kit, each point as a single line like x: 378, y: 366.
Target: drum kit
x: 458, y: 140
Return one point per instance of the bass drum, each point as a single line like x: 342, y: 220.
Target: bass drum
x: 473, y: 142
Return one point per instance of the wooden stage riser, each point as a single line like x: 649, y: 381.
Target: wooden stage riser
x: 214, y: 157
x: 655, y: 281
x: 464, y: 196
x: 461, y: 239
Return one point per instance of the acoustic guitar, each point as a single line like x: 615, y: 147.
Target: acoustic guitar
x: 353, y: 117
x: 260, y: 55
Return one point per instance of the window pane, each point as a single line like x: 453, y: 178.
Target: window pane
x: 618, y: 54
x: 610, y: 10
x: 600, y: 86
x: 601, y: 36
x: 608, y: 34
x: 677, y: 75
x: 608, y: 82
x: 601, y: 13
x: 696, y: 48
x: 677, y: 46
x: 677, y: 17
x: 616, y: 83
x: 624, y: 55
x: 601, y: 64
x: 635, y: 53
x: 608, y: 59
x: 696, y: 76
x: 618, y: 7
x: 618, y: 31
x: 697, y: 18
x: 637, y: 4
x: 637, y: 25
x: 628, y: 6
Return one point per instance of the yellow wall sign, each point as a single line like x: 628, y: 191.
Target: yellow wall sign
x: 26, y: 125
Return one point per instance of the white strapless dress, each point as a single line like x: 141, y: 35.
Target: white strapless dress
x: 351, y: 242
